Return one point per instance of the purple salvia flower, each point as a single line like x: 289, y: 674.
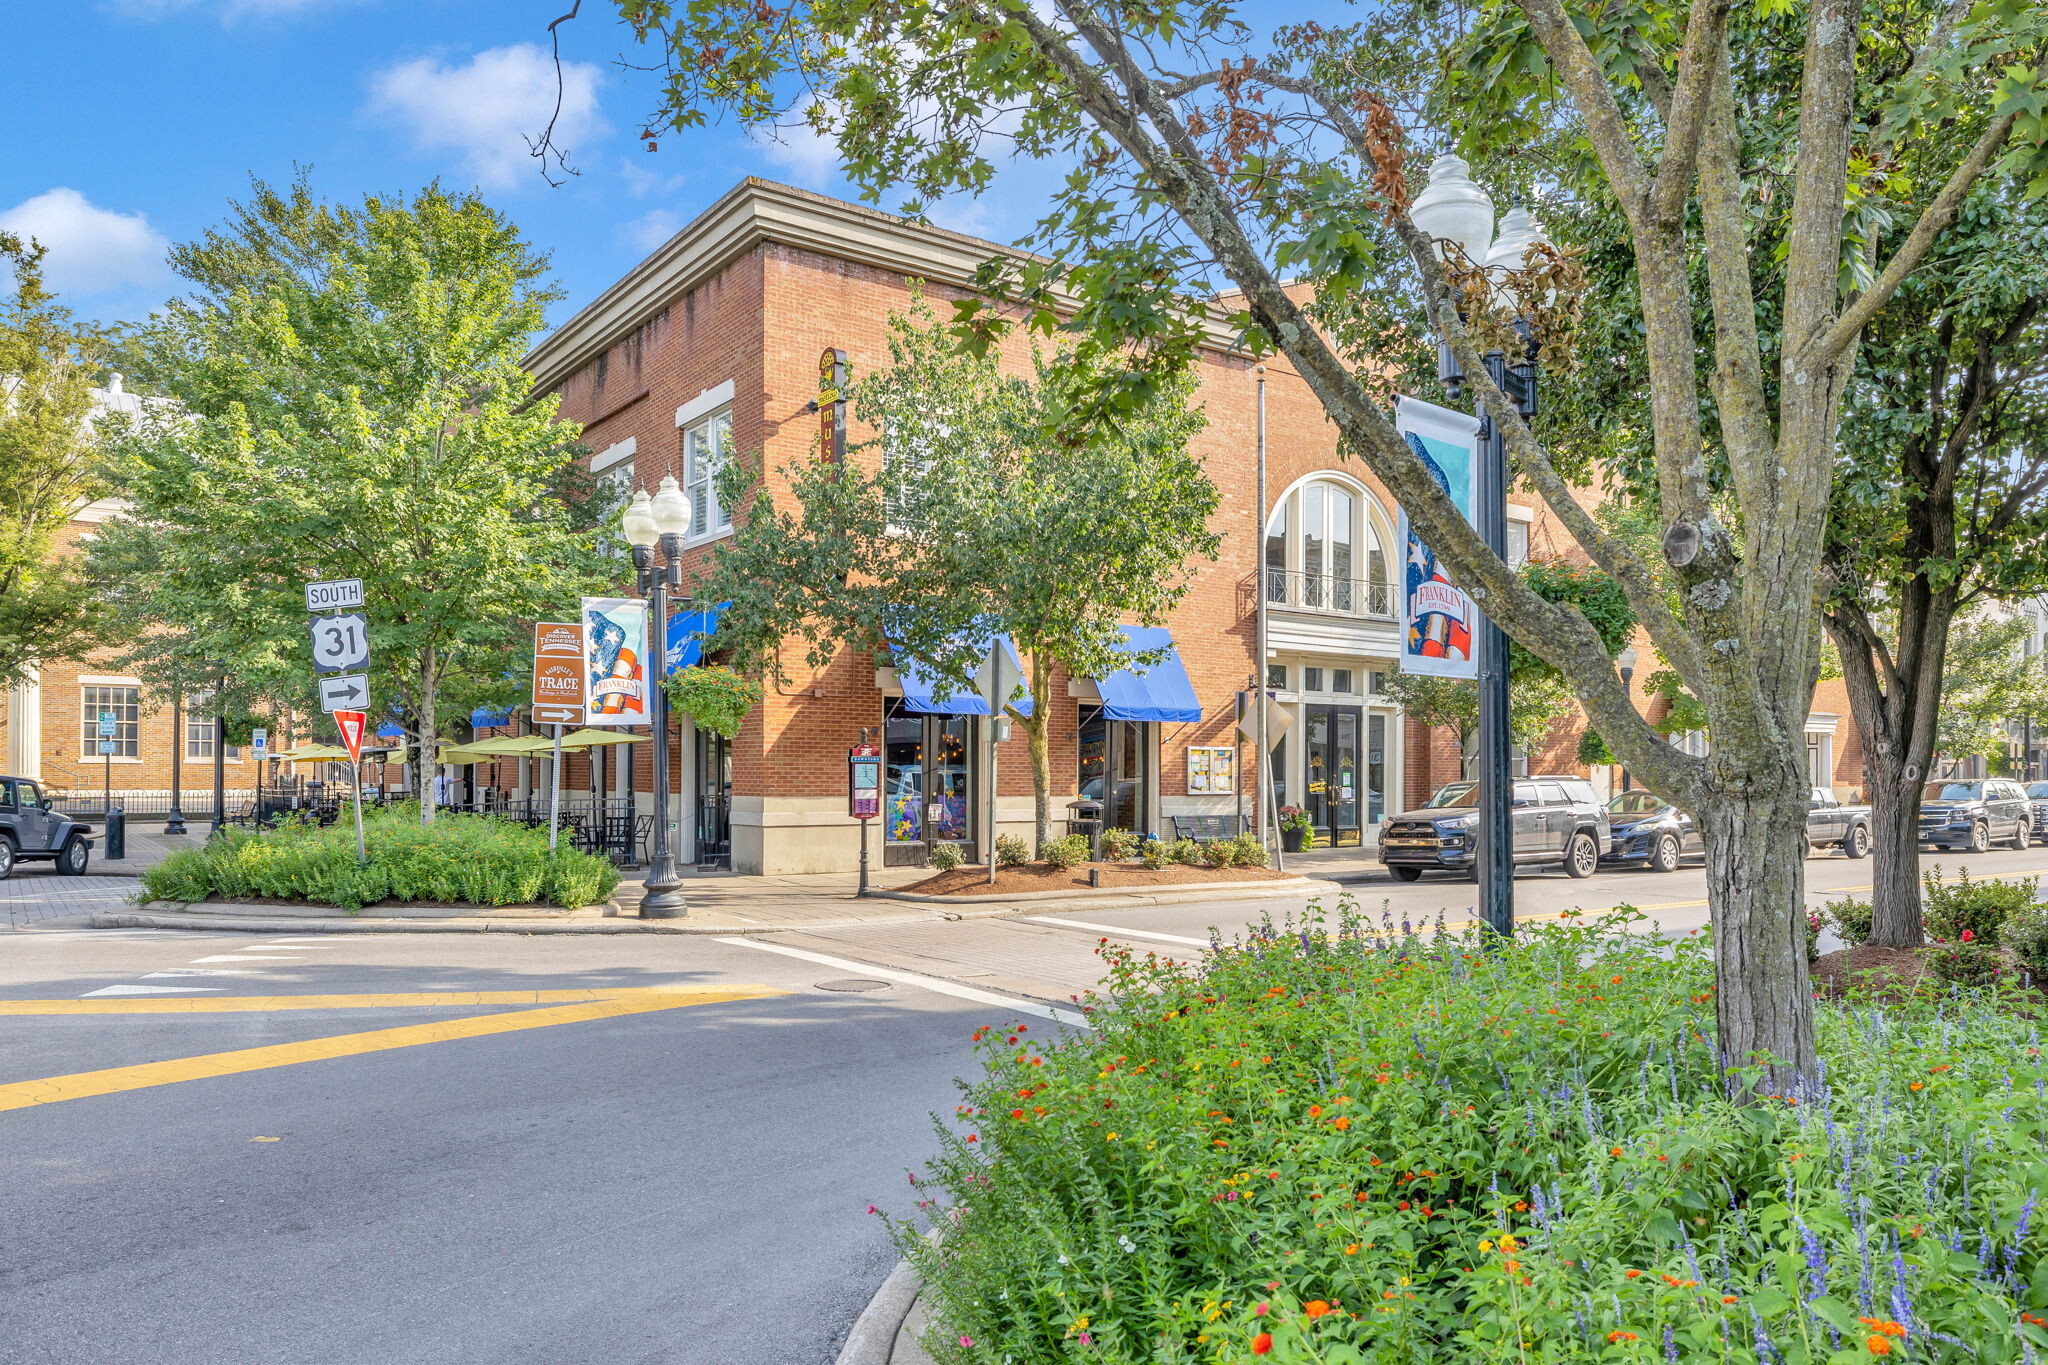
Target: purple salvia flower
x: 1816, y: 1260
x: 1670, y: 1343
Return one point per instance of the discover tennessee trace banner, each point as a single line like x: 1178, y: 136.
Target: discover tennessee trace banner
x: 615, y: 660
x: 1437, y: 618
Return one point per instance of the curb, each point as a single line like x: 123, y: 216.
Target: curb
x: 1218, y: 892
x: 1096, y: 894
x: 873, y: 1338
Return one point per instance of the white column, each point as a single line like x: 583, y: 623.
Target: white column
x: 25, y: 727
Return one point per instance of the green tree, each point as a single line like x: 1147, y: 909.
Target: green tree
x: 980, y: 508
x: 1200, y: 165
x: 49, y: 466
x: 349, y: 403
x: 1990, y: 682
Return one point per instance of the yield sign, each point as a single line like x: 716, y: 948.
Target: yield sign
x: 351, y: 723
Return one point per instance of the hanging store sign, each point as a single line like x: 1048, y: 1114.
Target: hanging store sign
x: 615, y: 661
x: 1438, y: 621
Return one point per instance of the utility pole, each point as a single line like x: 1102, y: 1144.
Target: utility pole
x: 1262, y: 800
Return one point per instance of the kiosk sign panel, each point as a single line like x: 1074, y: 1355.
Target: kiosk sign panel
x: 864, y: 781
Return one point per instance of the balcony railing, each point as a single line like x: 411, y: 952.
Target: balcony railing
x: 1295, y: 590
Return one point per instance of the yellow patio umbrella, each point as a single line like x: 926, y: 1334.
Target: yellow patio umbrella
x: 315, y: 753
x: 509, y: 747
x: 460, y: 755
x: 591, y: 739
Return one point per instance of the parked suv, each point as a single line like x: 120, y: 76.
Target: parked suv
x: 1974, y: 813
x: 1558, y: 820
x: 31, y: 831
x: 2037, y: 795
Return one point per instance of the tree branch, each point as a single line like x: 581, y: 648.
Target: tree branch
x: 1606, y: 127
x: 1700, y: 65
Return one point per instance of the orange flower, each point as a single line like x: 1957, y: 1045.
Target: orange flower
x: 1315, y: 1111
x: 1614, y: 981
x: 1614, y: 1151
x: 1879, y: 1346
x: 1620, y: 1336
x: 1727, y: 1298
x: 1340, y: 1124
x: 1634, y: 1274
x: 1917, y: 1085
x: 1351, y: 1250
x: 1262, y: 1343
x: 1315, y: 1308
x: 1016, y: 1113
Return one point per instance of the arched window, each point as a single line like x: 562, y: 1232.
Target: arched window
x: 1325, y: 551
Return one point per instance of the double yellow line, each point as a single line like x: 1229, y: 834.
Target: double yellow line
x: 570, y: 1007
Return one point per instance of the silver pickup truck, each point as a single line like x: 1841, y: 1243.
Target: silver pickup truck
x: 1830, y: 824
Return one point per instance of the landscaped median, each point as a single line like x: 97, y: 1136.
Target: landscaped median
x: 1130, y: 870
x: 1344, y: 1142
x: 459, y: 861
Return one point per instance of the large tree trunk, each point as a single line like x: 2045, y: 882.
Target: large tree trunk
x: 1755, y: 834
x: 428, y: 769
x: 1894, y: 848
x: 1036, y: 736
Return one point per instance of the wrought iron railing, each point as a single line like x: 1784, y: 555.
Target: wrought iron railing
x: 1292, y: 588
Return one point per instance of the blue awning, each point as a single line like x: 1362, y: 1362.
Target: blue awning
x: 688, y: 633
x: 1161, y: 692
x: 486, y: 717
x: 390, y: 731
x: 936, y: 696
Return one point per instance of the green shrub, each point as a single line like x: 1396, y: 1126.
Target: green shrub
x: 1240, y: 850
x: 1963, y: 964
x: 946, y: 857
x: 1120, y: 844
x: 1068, y: 851
x: 1980, y: 907
x: 1815, y: 922
x: 2026, y: 938
x: 463, y: 859
x: 1320, y: 1133
x: 1155, y: 855
x: 1186, y: 852
x: 1850, y: 919
x: 1011, y: 851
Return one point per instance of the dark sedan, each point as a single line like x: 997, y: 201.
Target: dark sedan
x: 1645, y: 830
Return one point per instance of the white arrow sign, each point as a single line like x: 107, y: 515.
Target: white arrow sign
x: 341, y: 644
x: 344, y: 692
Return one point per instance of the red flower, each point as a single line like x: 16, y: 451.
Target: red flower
x: 1262, y: 1344
x: 1315, y: 1308
x: 1969, y: 936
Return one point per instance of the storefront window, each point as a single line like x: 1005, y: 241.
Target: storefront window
x: 927, y: 781
x: 1113, y: 756
x: 903, y: 777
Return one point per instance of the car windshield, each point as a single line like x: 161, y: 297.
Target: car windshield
x: 1952, y: 791
x: 1454, y: 794
x: 2038, y: 791
x: 1636, y: 803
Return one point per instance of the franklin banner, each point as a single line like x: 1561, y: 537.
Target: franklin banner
x: 615, y: 661
x: 1437, y: 619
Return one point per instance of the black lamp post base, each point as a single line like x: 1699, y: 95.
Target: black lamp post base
x: 174, y: 823
x: 667, y: 902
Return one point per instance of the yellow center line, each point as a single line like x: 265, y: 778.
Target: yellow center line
x: 112, y: 1080
x: 264, y: 1004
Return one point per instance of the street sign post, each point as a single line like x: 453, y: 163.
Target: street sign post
x: 259, y: 742
x: 345, y: 692
x: 559, y: 684
x: 351, y: 725
x: 338, y: 594
x: 341, y: 644
x: 864, y: 795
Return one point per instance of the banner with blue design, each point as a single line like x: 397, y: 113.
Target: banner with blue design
x: 1438, y: 635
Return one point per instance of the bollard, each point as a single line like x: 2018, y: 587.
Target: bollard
x: 117, y: 834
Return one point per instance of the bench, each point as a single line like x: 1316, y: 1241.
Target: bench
x: 1205, y: 828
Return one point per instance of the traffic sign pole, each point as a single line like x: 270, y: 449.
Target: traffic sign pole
x: 352, y: 725
x: 555, y: 790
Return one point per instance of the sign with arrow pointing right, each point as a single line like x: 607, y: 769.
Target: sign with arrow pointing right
x: 345, y: 692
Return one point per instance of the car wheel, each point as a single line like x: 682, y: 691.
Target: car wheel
x: 72, y: 861
x: 1406, y: 874
x: 1664, y: 857
x: 1857, y: 845
x: 1581, y: 856
x: 6, y: 855
x: 2022, y: 836
x: 1980, y: 838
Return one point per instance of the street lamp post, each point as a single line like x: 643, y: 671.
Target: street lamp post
x: 1626, y: 660
x: 1454, y: 209
x: 174, y: 821
x: 660, y: 521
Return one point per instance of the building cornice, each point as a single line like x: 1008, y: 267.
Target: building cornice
x: 752, y: 213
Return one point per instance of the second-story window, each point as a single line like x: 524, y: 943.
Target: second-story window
x: 1323, y: 552
x: 706, y: 447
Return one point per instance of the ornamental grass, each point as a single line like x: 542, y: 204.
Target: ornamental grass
x: 1339, y: 1142
x: 459, y: 859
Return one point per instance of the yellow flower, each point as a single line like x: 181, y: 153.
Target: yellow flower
x: 1485, y: 1246
x: 1110, y: 1136
x: 1081, y: 1323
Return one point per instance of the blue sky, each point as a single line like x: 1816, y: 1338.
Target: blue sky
x: 132, y: 123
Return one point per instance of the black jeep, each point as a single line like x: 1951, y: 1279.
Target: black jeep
x: 1558, y: 820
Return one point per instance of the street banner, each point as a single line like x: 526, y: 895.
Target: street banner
x: 351, y: 723
x: 558, y: 675
x: 615, y: 661
x: 1437, y: 618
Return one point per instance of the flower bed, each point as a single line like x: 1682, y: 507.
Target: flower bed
x: 971, y: 879
x: 457, y: 860
x: 1361, y: 1146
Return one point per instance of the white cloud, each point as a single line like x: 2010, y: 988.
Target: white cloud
x: 641, y: 182
x: 91, y: 250
x: 486, y: 109
x: 969, y: 215
x: 808, y: 157
x: 650, y: 229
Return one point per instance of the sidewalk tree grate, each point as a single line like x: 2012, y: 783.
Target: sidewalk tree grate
x: 853, y: 983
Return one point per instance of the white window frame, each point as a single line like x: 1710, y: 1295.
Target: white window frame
x: 200, y: 745
x: 711, y: 413
x: 127, y: 733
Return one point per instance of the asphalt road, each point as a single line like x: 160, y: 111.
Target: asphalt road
x: 606, y: 1168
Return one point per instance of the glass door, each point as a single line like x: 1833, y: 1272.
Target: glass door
x: 927, y: 784
x: 1115, y: 769
x: 1332, y: 744
x: 714, y: 799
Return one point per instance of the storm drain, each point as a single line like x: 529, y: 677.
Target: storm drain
x: 853, y: 983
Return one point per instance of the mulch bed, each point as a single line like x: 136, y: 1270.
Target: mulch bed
x: 1890, y: 973
x: 972, y: 880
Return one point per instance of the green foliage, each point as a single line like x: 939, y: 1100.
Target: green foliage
x: 2026, y: 938
x: 49, y: 465
x: 1120, y: 844
x: 1239, y: 1144
x: 1683, y: 712
x: 718, y: 699
x: 349, y: 403
x: 1593, y: 750
x: 460, y: 859
x: 1240, y: 850
x: 1850, y: 918
x: 1589, y: 591
x: 1155, y: 854
x: 1069, y: 850
x: 1977, y: 908
x: 1012, y: 851
x: 946, y: 857
x: 1988, y: 678
x: 1963, y: 964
